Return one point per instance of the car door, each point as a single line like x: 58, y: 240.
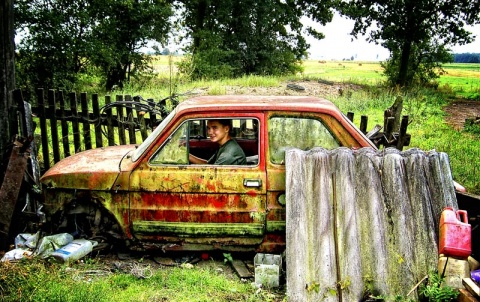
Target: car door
x: 298, y: 130
x: 174, y: 201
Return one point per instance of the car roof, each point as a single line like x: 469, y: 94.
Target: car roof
x: 240, y: 103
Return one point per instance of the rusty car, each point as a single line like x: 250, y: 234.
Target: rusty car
x: 149, y: 196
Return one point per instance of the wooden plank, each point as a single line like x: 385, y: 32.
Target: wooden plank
x: 43, y: 128
x: 402, y: 133
x: 471, y: 286
x: 465, y: 296
x: 350, y: 116
x: 75, y: 127
x: 241, y: 269
x: 141, y: 120
x: 87, y: 138
x: 363, y: 123
x: 120, y: 119
x: 52, y: 106
x: 110, y: 135
x: 153, y: 117
x: 20, y: 121
x: 130, y: 121
x: 63, y: 121
x: 98, y: 120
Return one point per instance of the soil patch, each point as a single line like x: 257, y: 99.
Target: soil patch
x: 460, y: 110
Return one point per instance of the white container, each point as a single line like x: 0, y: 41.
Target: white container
x: 267, y: 270
x: 73, y: 251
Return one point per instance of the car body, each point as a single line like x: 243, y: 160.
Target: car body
x: 152, y: 197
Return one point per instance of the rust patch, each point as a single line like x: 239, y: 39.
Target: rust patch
x: 11, y: 186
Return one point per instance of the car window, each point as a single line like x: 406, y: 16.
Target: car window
x: 192, y: 137
x: 175, y: 150
x: 301, y: 133
x: 151, y: 138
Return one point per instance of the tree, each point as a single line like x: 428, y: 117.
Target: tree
x: 233, y: 38
x: 7, y: 76
x: 124, y: 27
x: 64, y: 37
x: 416, y: 32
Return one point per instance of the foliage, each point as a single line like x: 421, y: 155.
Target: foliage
x: 417, y: 33
x: 434, y: 291
x: 64, y: 37
x: 250, y: 43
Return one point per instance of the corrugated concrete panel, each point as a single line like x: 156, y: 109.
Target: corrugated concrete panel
x: 362, y: 221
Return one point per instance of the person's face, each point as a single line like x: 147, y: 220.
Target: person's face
x: 217, y: 132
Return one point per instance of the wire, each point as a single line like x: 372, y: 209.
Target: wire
x: 139, y: 104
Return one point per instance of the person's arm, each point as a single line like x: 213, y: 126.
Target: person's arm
x: 196, y: 160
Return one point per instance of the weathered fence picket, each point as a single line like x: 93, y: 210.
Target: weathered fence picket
x: 63, y: 122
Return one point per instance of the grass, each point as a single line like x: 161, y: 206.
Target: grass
x: 42, y: 280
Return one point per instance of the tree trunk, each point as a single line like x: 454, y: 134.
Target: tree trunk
x: 404, y: 59
x: 200, y: 17
x: 7, y: 74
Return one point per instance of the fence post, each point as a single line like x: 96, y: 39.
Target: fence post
x: 87, y: 139
x: 63, y: 121
x: 363, y: 123
x: 120, y: 118
x: 75, y: 127
x: 402, y: 132
x: 111, y: 138
x: 153, y: 117
x: 130, y: 121
x: 52, y: 108
x: 43, y: 128
x: 350, y: 116
x: 98, y: 123
x: 141, y: 121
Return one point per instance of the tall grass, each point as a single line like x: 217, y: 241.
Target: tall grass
x: 41, y: 280
x: 428, y: 128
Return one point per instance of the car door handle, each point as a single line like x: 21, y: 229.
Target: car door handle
x: 252, y: 183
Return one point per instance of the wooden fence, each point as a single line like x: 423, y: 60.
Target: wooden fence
x: 71, y: 124
x: 80, y: 123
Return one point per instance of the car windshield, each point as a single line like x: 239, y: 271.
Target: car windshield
x: 143, y: 146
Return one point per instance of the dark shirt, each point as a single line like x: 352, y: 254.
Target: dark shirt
x: 229, y: 153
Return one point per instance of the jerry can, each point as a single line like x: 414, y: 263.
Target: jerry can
x: 455, y: 234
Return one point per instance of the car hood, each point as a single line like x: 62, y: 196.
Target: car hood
x: 95, y: 169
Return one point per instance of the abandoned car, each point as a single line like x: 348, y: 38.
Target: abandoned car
x: 150, y: 196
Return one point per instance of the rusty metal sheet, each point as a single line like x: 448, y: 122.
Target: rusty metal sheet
x: 11, y: 186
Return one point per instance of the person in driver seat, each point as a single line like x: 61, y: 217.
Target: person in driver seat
x: 229, y: 152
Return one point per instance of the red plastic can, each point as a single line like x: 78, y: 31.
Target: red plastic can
x: 455, y: 234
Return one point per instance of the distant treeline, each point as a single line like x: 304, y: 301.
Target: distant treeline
x: 466, y: 58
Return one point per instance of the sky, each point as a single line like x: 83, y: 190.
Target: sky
x: 338, y: 44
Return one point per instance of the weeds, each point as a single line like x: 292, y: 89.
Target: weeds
x: 40, y: 280
x: 434, y: 291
